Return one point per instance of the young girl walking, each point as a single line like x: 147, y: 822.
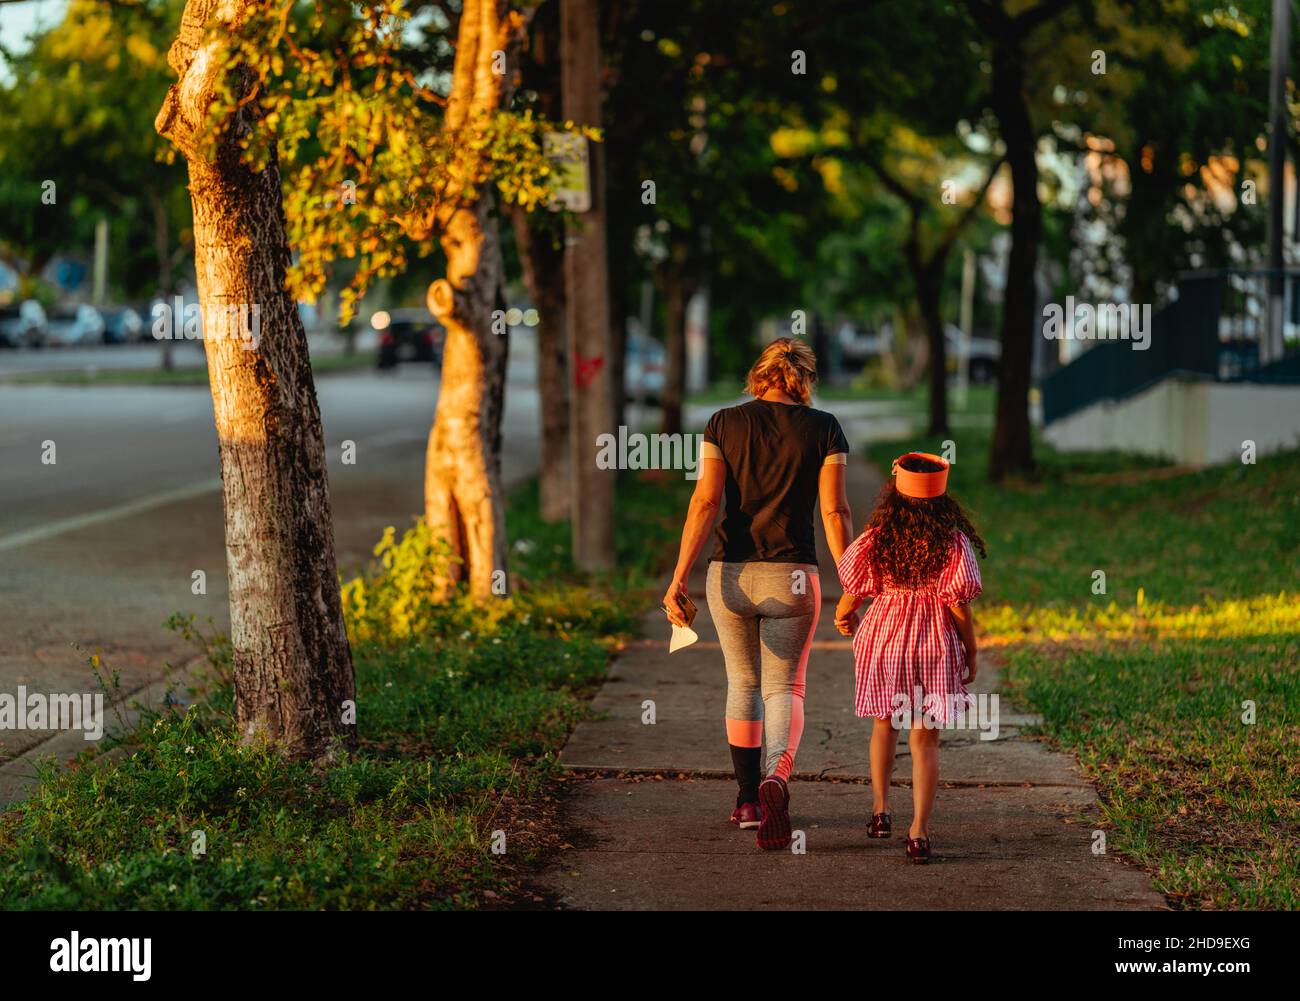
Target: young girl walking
x: 914, y: 649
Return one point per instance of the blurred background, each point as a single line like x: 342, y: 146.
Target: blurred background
x: 812, y: 168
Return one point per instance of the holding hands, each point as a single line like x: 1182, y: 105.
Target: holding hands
x: 846, y: 614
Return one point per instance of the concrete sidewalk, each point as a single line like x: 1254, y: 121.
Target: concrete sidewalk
x: 648, y: 805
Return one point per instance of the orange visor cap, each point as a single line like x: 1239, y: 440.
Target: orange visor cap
x: 911, y: 484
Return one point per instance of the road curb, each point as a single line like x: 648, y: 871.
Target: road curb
x: 19, y: 778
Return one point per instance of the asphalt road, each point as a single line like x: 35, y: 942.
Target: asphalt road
x: 144, y: 355
x: 98, y: 548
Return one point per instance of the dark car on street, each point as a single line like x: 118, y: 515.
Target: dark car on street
x: 407, y: 335
x: 23, y: 324
x: 123, y: 326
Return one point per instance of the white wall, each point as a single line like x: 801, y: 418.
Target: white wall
x: 1188, y: 421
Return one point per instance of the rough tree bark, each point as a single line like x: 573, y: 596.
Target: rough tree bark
x: 462, y: 481
x: 463, y: 496
x: 292, y: 663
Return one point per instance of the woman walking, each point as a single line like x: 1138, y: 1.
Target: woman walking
x: 771, y: 459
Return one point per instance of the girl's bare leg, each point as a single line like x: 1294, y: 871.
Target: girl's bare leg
x: 925, y: 778
x: 884, y: 743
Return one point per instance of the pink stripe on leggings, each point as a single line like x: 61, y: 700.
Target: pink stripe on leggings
x: 745, y: 732
x: 785, y: 765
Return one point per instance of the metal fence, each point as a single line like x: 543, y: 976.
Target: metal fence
x: 1211, y: 329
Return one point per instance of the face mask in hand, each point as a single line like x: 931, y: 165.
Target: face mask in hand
x: 683, y: 636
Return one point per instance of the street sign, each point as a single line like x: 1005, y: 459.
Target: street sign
x: 572, y: 183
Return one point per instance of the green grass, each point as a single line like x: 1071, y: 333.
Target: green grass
x: 1147, y: 683
x: 459, y: 729
x: 188, y: 375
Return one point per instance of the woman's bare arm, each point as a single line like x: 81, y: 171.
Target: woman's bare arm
x: 700, y: 516
x: 837, y: 518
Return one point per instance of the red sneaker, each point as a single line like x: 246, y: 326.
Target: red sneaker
x: 747, y: 816
x: 774, y: 828
x: 918, y: 850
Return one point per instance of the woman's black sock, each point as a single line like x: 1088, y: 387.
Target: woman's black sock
x: 747, y: 762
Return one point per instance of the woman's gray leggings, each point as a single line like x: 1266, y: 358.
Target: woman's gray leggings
x: 765, y: 614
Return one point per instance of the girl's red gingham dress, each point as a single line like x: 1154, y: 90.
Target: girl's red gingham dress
x: 907, y: 638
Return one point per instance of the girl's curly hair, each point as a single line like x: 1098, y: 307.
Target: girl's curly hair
x: 913, y: 540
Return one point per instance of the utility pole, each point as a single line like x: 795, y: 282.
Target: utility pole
x: 967, y: 321
x: 586, y: 282
x: 1271, y: 349
x: 99, y: 283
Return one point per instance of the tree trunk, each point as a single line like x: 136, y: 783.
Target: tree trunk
x: 1012, y: 449
x: 928, y: 291
x: 543, y: 266
x: 917, y: 348
x: 587, y: 297
x: 292, y: 663
x: 675, y: 296
x: 463, y: 495
x: 462, y: 483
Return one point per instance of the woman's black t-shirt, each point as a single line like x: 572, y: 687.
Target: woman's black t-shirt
x: 774, y: 453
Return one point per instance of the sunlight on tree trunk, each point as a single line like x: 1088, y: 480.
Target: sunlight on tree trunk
x: 462, y: 483
x: 292, y: 663
x: 463, y: 496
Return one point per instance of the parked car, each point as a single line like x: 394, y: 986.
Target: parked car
x: 123, y: 326
x: 643, y: 368
x: 23, y: 324
x: 407, y: 335
x: 77, y: 326
x: 858, y: 347
x: 985, y: 353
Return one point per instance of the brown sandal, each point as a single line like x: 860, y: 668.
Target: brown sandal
x: 881, y: 826
x: 918, y: 850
